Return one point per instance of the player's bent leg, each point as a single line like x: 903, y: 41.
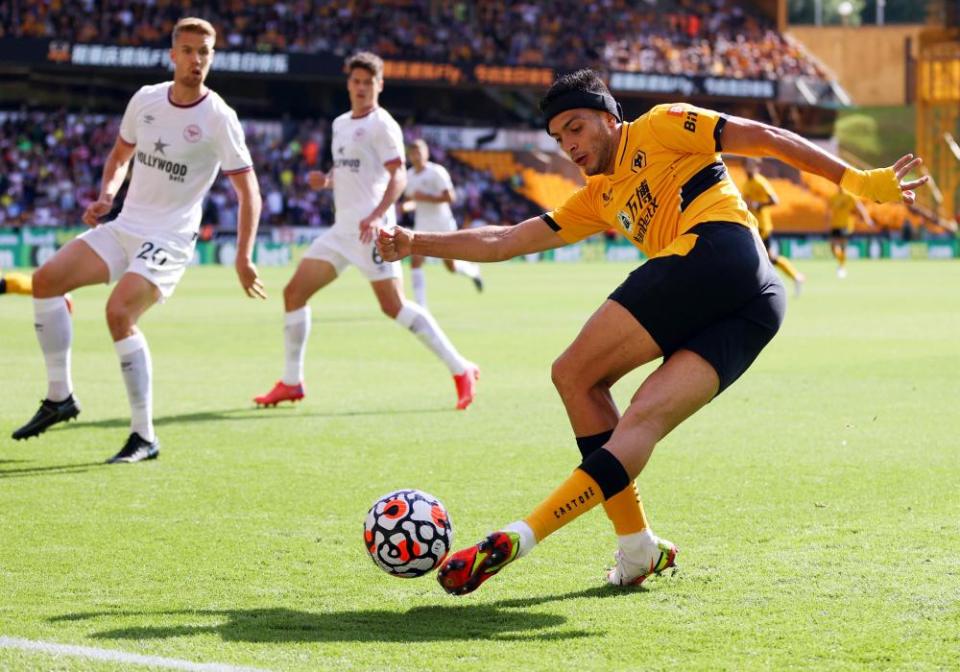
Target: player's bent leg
x: 130, y: 299
x: 74, y: 265
x: 671, y: 394
x: 611, y: 344
x: 419, y: 321
x: 311, y: 276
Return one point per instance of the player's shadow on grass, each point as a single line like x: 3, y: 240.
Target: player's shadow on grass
x: 245, y: 413
x: 420, y: 624
x: 54, y: 470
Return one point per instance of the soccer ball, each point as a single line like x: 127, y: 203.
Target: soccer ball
x: 407, y: 533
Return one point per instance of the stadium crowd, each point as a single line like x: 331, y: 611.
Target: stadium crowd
x: 51, y: 163
x: 694, y: 37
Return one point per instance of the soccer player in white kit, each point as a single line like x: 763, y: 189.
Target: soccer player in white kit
x: 180, y: 135
x: 429, y: 195
x: 368, y: 176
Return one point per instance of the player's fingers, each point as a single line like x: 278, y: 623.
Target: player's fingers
x: 909, y: 197
x: 907, y: 167
x: 902, y: 161
x: 913, y: 184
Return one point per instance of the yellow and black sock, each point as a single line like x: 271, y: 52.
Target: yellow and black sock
x: 600, y: 477
x: 625, y: 510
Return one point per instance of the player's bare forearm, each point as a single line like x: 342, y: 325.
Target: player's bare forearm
x: 488, y: 243
x: 395, y: 188
x: 249, y: 205
x: 115, y: 170
x: 882, y: 185
x: 751, y: 138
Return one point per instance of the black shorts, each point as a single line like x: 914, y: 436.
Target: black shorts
x: 722, y: 300
x: 839, y: 233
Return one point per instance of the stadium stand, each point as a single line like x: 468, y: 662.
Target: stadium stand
x: 693, y: 37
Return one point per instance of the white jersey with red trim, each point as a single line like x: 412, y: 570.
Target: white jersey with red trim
x: 433, y: 180
x: 361, y: 146
x: 179, y: 149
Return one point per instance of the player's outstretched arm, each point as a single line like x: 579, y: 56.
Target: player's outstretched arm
x: 485, y: 243
x: 752, y: 138
x: 114, y: 172
x: 248, y: 219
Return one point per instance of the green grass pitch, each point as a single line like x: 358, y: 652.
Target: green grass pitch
x: 815, y: 503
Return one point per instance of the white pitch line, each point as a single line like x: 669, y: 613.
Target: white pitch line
x: 118, y: 656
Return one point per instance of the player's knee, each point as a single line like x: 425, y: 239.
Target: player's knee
x: 119, y: 319
x: 391, y: 308
x: 44, y: 283
x: 564, y: 375
x: 292, y: 297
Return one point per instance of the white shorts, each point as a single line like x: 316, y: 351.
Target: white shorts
x: 435, y: 225
x: 342, y: 251
x: 159, y: 257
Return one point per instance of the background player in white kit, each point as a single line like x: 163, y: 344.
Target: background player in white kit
x: 429, y: 195
x: 181, y: 134
x: 368, y: 176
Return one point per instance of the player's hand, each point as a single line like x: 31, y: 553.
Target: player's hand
x: 368, y: 228
x: 394, y: 244
x: 96, y: 210
x: 902, y: 167
x: 317, y: 179
x: 249, y: 278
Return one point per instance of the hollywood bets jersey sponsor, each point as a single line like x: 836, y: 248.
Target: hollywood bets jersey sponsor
x: 179, y: 149
x: 361, y: 146
x: 668, y: 177
x: 433, y: 180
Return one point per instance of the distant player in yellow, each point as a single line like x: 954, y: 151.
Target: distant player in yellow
x: 15, y: 283
x: 840, y: 209
x: 760, y: 196
x: 707, y: 300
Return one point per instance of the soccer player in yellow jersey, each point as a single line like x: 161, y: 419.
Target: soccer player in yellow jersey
x: 707, y: 300
x: 840, y: 209
x: 15, y: 283
x: 760, y: 196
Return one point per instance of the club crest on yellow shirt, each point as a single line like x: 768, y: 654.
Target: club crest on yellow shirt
x: 639, y: 161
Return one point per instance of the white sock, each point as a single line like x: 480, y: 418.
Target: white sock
x: 296, y: 329
x: 467, y: 268
x: 527, y: 538
x: 54, y: 330
x: 137, y: 369
x: 419, y: 286
x: 639, y: 544
x: 420, y: 322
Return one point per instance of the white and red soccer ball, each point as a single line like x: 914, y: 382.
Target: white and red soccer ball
x: 407, y: 533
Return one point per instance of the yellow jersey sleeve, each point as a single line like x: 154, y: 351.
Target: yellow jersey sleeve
x: 687, y: 128
x: 578, y: 217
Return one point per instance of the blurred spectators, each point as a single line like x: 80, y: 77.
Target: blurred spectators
x: 689, y: 36
x: 51, y: 163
